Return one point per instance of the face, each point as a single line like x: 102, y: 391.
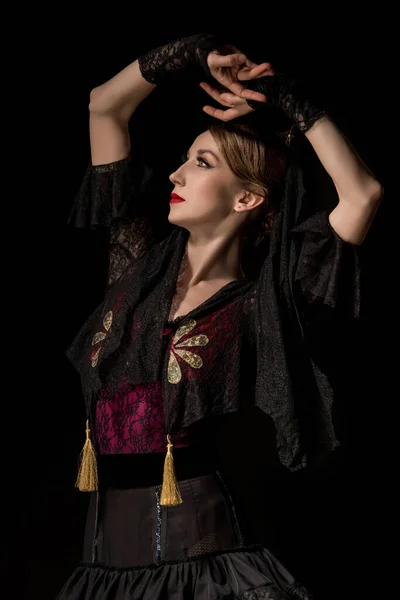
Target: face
x: 207, y: 187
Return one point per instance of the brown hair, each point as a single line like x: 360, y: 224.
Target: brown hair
x: 258, y: 161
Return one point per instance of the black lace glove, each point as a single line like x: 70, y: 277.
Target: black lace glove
x: 288, y: 96
x: 188, y: 52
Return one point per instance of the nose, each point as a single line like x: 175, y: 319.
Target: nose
x: 177, y: 176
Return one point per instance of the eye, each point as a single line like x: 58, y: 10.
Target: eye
x: 202, y: 163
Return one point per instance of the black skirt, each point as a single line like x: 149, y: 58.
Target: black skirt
x: 135, y: 549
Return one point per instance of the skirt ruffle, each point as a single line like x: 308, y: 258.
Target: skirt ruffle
x: 251, y: 573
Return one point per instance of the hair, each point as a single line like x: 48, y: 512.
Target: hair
x: 258, y: 160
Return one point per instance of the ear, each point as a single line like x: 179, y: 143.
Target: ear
x: 248, y: 201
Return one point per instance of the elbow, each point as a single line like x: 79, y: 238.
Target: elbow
x: 103, y: 104
x: 353, y: 216
x: 100, y: 102
x: 369, y: 208
x: 96, y: 102
x: 372, y: 200
x: 370, y: 197
x: 376, y: 193
x: 373, y: 190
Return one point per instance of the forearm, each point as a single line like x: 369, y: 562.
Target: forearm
x: 353, y: 181
x: 113, y: 103
x: 359, y: 192
x: 352, y: 178
x: 121, y: 95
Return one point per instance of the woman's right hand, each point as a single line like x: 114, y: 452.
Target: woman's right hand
x: 230, y: 70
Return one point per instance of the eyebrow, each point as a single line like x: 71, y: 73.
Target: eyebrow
x: 205, y: 151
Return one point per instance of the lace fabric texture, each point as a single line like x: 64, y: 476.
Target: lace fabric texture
x: 123, y: 197
x: 178, y: 56
x: 129, y: 242
x: 133, y: 422
x: 288, y: 96
x: 234, y: 348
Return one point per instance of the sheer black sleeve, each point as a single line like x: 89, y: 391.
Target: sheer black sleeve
x: 126, y: 198
x: 306, y: 295
x: 326, y: 269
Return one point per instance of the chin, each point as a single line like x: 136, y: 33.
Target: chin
x: 175, y: 217
x: 172, y: 220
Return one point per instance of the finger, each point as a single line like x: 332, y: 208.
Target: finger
x: 243, y: 92
x: 212, y: 91
x: 216, y: 94
x: 250, y: 95
x: 265, y: 65
x: 262, y: 70
x: 266, y: 73
x: 225, y: 98
x: 206, y: 87
x: 228, y: 60
x: 222, y: 115
x: 227, y: 115
x: 231, y: 99
x: 250, y: 64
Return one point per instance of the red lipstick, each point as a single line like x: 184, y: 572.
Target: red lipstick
x: 175, y: 198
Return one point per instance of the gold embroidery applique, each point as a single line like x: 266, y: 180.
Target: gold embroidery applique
x: 100, y: 336
x: 179, y: 349
x: 107, y: 321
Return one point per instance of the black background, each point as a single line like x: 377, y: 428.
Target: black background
x: 332, y: 524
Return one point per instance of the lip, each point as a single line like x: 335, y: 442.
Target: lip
x: 175, y: 198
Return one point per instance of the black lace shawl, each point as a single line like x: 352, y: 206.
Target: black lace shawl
x: 266, y: 359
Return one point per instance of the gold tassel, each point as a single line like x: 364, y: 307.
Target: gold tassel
x: 170, y: 494
x: 87, y: 480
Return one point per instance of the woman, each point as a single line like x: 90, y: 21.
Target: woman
x: 198, y: 343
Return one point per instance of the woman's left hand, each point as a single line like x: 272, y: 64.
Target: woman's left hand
x: 230, y: 71
x: 235, y: 105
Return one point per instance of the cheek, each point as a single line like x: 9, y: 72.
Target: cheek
x: 224, y: 200
x: 213, y: 203
x: 216, y: 196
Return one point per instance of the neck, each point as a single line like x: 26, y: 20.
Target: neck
x: 211, y: 258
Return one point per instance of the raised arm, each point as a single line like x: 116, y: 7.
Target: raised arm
x: 118, y: 191
x: 110, y: 110
x: 113, y: 103
x: 110, y: 195
x: 358, y: 191
x: 324, y: 264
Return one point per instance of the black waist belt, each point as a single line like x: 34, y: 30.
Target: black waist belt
x: 144, y: 470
